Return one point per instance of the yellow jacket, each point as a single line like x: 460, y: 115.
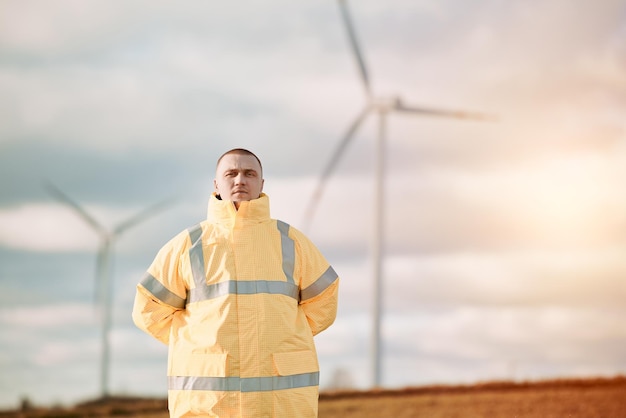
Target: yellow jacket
x: 238, y: 298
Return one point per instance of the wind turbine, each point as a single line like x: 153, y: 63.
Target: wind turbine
x: 382, y: 106
x: 104, y: 283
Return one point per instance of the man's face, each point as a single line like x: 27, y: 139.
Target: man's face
x: 238, y: 178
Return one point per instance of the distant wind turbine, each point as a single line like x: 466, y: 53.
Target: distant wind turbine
x: 104, y: 283
x: 382, y: 106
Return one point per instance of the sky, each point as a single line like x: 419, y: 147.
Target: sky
x: 504, y: 241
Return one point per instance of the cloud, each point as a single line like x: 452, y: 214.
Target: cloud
x: 464, y: 344
x: 48, y: 316
x: 526, y: 279
x: 549, y: 203
x: 503, y: 241
x: 53, y: 227
x: 44, y: 228
x: 63, y: 352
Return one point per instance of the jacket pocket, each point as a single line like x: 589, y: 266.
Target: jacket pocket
x: 295, y: 362
x: 199, y: 364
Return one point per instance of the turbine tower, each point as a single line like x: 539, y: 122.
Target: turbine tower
x: 381, y: 106
x: 104, y: 283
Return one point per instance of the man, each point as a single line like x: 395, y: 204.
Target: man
x: 238, y: 299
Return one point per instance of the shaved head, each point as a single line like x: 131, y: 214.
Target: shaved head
x: 241, y: 151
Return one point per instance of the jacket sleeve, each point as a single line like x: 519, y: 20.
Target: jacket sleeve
x: 319, y: 285
x: 161, y: 293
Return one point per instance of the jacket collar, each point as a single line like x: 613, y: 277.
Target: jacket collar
x: 224, y: 212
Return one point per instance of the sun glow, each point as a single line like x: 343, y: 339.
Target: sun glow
x: 570, y: 199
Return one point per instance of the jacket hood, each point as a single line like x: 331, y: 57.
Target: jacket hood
x: 251, y: 211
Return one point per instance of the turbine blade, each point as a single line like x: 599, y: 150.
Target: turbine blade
x: 343, y: 5
x: 330, y: 167
x: 63, y: 198
x: 457, y: 114
x: 143, y: 215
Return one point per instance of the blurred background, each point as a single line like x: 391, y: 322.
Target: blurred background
x: 504, y: 241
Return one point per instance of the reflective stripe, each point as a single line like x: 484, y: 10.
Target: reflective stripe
x: 289, y: 250
x: 243, y: 384
x: 152, y: 285
x: 234, y: 287
x: 196, y: 256
x: 319, y: 285
x: 203, y: 291
x: 195, y: 233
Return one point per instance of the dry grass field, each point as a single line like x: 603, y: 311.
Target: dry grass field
x: 588, y: 398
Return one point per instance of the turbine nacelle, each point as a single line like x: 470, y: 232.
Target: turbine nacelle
x: 386, y: 104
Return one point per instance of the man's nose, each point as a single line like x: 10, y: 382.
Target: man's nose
x: 239, y: 178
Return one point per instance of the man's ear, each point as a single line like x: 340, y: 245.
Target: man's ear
x: 215, y: 186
